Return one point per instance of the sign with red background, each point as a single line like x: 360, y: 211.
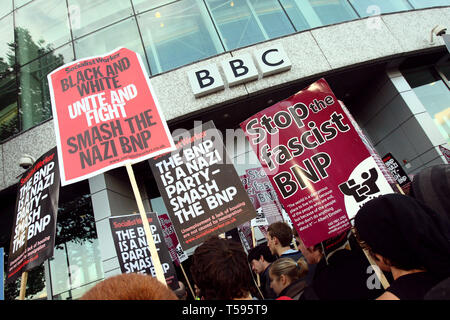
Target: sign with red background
x: 316, y: 161
x: 105, y: 114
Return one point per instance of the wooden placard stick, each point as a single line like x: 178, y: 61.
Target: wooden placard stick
x: 399, y: 188
x: 23, y: 285
x: 148, y: 233
x: 187, y: 280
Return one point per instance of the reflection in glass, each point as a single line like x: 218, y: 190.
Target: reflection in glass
x: 308, y: 14
x: 123, y: 34
x: 178, y: 34
x: 76, y: 264
x: 297, y: 17
x: 419, y: 4
x: 89, y: 15
x: 367, y: 8
x: 6, y: 7
x: 9, y: 114
x: 244, y: 22
x: 6, y: 43
x: 143, y: 5
x: 434, y: 95
x: 41, y: 26
x: 19, y: 3
x: 34, y: 93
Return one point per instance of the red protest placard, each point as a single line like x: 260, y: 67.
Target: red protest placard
x: 316, y: 161
x: 105, y: 115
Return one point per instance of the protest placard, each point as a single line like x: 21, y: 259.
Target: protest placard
x: 316, y: 161
x: 132, y: 248
x: 200, y: 187
x: 176, y: 252
x: 105, y: 115
x: 34, y: 224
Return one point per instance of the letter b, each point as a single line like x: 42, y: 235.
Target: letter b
x: 65, y: 85
x: 204, y: 78
x: 285, y: 184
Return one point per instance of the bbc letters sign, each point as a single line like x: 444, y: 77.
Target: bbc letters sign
x: 238, y: 70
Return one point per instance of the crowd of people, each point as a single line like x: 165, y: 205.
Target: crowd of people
x: 407, y: 236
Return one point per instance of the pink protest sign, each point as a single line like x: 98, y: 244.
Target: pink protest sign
x: 316, y: 161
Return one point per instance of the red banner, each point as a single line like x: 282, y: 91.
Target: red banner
x: 105, y: 114
x: 316, y: 161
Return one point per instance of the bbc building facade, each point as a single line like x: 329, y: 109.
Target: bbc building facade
x: 383, y: 59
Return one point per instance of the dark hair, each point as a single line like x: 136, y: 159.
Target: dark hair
x: 261, y: 250
x: 409, y: 234
x: 220, y: 270
x: 130, y: 286
x: 282, y: 232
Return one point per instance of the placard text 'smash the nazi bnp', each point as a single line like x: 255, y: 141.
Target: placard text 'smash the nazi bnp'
x: 105, y: 113
x: 200, y: 187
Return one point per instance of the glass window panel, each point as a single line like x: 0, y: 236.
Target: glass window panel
x: 7, y: 59
x: 418, y: 4
x: 19, y: 3
x: 434, y: 95
x: 316, y: 13
x: 367, y: 8
x: 296, y: 16
x: 41, y: 26
x: 272, y: 18
x: 89, y: 15
x: 34, y: 93
x: 76, y: 245
x: 237, y: 23
x: 9, y: 113
x: 178, y: 34
x: 332, y: 11
x: 123, y: 34
x: 6, y: 7
x: 59, y: 271
x: 143, y: 5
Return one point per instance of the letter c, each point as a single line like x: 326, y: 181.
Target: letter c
x: 273, y: 64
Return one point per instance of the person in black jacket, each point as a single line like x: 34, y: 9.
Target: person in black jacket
x: 409, y: 239
x: 260, y: 260
x: 342, y: 271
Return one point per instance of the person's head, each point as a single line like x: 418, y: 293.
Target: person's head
x: 312, y: 254
x: 220, y: 270
x: 279, y: 235
x: 260, y: 258
x: 432, y: 186
x: 181, y: 291
x: 130, y: 286
x: 285, y: 271
x: 402, y: 233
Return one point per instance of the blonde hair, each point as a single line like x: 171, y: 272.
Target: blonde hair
x: 290, y: 268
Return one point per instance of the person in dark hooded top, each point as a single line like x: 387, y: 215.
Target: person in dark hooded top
x: 408, y: 239
x: 432, y: 186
